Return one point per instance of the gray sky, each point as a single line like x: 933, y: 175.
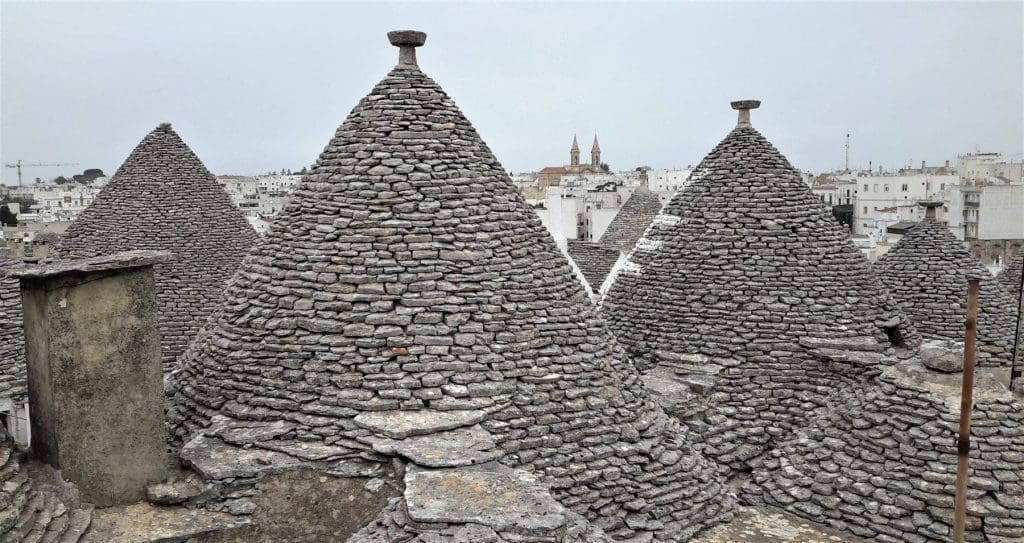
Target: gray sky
x: 260, y: 86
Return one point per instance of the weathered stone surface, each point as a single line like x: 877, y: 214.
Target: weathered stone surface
x: 402, y: 424
x: 947, y: 356
x: 747, y: 268
x: 883, y: 463
x: 175, y: 491
x: 927, y: 273
x: 408, y: 274
x: 13, y: 382
x: 1009, y: 277
x: 501, y: 498
x: 594, y: 260
x: 452, y: 448
x: 95, y: 382
x: 31, y: 508
x: 767, y: 525
x: 145, y: 523
x: 307, y: 506
x: 163, y: 198
x: 631, y: 221
x: 216, y: 460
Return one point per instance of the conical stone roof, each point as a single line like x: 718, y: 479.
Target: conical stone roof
x: 632, y: 220
x: 12, y: 343
x: 927, y: 273
x: 408, y: 301
x: 594, y: 260
x: 164, y: 198
x: 1009, y: 277
x: 747, y: 281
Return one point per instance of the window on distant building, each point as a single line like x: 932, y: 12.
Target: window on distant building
x: 874, y: 187
x: 885, y: 187
x: 865, y: 187
x: 865, y: 211
x: 904, y: 187
x: 942, y: 186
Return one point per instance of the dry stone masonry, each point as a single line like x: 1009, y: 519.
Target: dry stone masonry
x: 12, y: 344
x: 594, y: 260
x: 632, y: 220
x: 164, y: 199
x: 410, y: 311
x: 747, y: 304
x: 884, y: 465
x: 927, y: 273
x: 32, y: 510
x: 1009, y: 277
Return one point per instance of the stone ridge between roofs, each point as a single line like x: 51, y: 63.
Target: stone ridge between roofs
x: 632, y: 220
x: 595, y: 261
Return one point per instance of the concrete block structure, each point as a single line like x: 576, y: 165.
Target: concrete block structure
x: 94, y: 378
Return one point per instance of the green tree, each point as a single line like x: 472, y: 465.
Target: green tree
x: 6, y: 217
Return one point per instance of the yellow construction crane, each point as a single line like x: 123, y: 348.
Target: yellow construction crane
x: 19, y: 165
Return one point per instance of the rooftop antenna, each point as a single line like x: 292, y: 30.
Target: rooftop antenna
x: 847, y: 163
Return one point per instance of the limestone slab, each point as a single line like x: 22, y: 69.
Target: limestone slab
x: 489, y: 494
x: 402, y: 424
x: 459, y: 447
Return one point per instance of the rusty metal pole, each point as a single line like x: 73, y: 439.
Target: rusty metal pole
x: 963, y: 442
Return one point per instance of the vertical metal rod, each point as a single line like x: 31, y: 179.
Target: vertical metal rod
x: 963, y: 442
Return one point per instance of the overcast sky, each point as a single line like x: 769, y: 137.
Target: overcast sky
x: 253, y: 87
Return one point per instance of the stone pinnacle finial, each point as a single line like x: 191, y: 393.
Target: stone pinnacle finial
x: 744, y: 107
x: 929, y: 209
x: 407, y: 41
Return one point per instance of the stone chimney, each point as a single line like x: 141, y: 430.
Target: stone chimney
x: 407, y: 41
x: 922, y: 165
x: 744, y: 107
x: 94, y: 378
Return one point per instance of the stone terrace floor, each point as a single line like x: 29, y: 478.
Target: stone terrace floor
x: 767, y: 525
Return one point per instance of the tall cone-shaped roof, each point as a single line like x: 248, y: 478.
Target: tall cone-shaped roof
x: 164, y: 198
x: 632, y: 220
x: 746, y: 269
x: 927, y: 273
x: 12, y: 343
x: 408, y: 289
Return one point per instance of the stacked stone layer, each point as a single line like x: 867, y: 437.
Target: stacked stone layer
x: 30, y: 513
x: 409, y: 281
x: 632, y: 220
x: 1009, y: 277
x: 163, y: 198
x: 748, y: 296
x: 927, y: 273
x: 883, y: 466
x: 12, y: 343
x: 594, y: 260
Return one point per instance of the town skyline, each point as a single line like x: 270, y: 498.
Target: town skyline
x: 256, y: 90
